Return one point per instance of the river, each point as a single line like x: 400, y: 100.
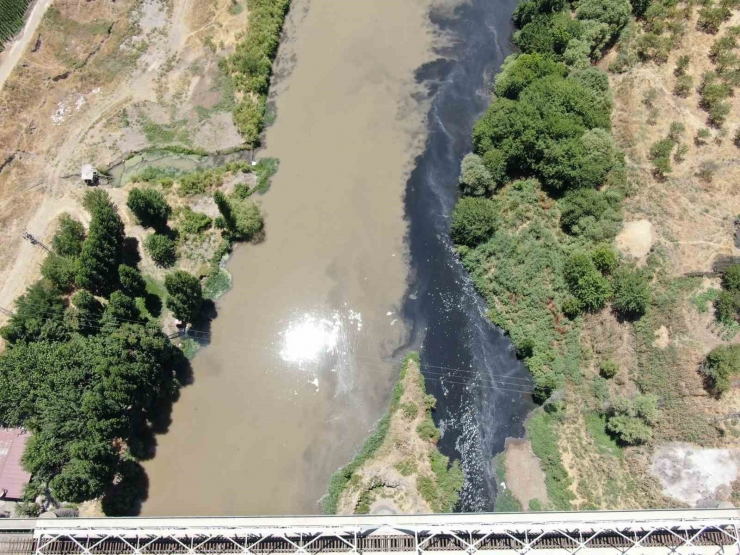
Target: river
x: 356, y: 267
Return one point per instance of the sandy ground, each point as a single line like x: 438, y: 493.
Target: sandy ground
x: 59, y: 109
x: 524, y: 476
x: 694, y: 475
x: 636, y: 239
x: 392, y: 491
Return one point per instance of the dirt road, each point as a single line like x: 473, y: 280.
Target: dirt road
x: 14, y: 53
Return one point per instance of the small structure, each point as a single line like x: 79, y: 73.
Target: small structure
x: 89, y: 174
x: 12, y: 476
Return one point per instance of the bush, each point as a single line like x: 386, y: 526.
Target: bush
x: 608, y: 369
x: 184, y: 295
x: 427, y: 430
x: 731, y: 278
x: 161, y: 249
x: 676, y: 130
x: 60, y: 271
x: 702, y: 135
x: 660, y: 154
x: 711, y: 17
x: 682, y: 64
x: 132, y: 283
x: 630, y: 419
x: 591, y: 214
x: 684, y: 84
x: 518, y: 72
x: 614, y: 13
x: 585, y: 282
x: 605, y: 259
x: 720, y: 366
x: 149, y: 206
x: 473, y: 221
x: 241, y: 218
x: 69, y: 237
x: 475, y: 179
x: 194, y: 223
x: 727, y: 306
x: 631, y: 292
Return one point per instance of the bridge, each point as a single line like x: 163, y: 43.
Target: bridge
x: 700, y: 532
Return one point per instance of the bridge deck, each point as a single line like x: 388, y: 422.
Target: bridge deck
x: 651, y: 532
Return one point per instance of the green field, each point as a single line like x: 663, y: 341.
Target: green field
x: 11, y: 19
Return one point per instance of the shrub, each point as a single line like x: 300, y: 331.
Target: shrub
x: 132, y: 283
x: 184, y: 295
x: 194, y: 223
x: 473, y: 221
x: 711, y: 17
x: 614, y: 13
x: 572, y: 307
x: 60, y: 271
x: 475, y: 179
x: 630, y: 419
x: 410, y: 411
x: 631, y: 292
x: 680, y: 154
x: 69, y: 237
x: 676, y: 130
x: 161, y: 249
x: 731, y: 278
x: 660, y: 154
x: 585, y: 282
x: 707, y: 168
x: 684, y: 83
x: 427, y: 430
x: 682, y: 64
x: 241, y: 218
x: 609, y: 369
x: 727, y: 306
x: 149, y: 206
x: 702, y: 135
x: 591, y: 214
x: 720, y: 365
x: 605, y: 259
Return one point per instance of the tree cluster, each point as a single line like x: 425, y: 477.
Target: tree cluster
x: 631, y: 420
x: 83, y: 375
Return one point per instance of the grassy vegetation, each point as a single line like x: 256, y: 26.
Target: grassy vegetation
x: 542, y: 432
x: 605, y: 443
x: 250, y: 67
x: 11, y: 18
x: 217, y: 284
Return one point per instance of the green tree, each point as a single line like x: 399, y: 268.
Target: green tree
x: 132, y: 283
x: 38, y: 313
x: 184, y: 295
x: 242, y: 218
x: 60, y: 271
x: 721, y: 364
x: 727, y: 306
x: 631, y: 292
x: 614, y: 13
x: 161, y: 249
x: 121, y: 308
x: 149, y: 206
x: 102, y: 251
x: 69, y: 237
x: 519, y: 71
x: 475, y: 179
x: 473, y: 221
x: 585, y: 282
x: 88, y: 312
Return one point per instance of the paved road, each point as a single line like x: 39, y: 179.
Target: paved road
x: 16, y: 50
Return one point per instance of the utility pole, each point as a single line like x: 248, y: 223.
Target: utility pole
x: 35, y: 241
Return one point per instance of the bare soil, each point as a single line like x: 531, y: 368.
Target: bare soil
x: 101, y: 80
x: 524, y: 476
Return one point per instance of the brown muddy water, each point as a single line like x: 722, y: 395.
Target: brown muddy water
x: 300, y: 363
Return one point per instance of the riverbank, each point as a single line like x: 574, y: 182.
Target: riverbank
x: 180, y: 225
x: 605, y: 317
x: 399, y: 470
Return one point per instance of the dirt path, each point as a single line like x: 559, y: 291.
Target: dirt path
x: 15, y: 52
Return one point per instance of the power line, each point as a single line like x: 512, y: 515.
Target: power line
x: 490, y: 381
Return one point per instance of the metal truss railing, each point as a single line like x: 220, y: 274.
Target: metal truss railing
x: 650, y: 532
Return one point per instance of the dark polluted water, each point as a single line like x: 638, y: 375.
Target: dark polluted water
x: 482, y: 390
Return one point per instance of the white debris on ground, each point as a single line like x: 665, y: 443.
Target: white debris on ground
x: 695, y: 475
x: 58, y: 117
x: 80, y: 103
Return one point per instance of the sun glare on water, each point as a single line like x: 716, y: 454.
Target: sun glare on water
x: 308, y: 338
